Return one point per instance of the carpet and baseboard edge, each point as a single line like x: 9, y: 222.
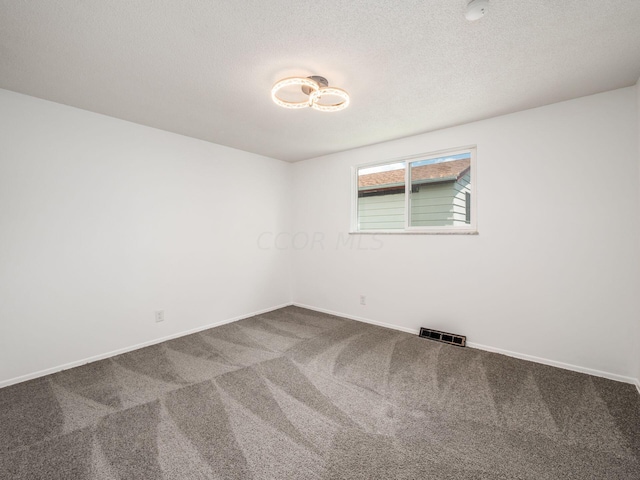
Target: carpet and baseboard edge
x: 113, y: 353
x: 522, y: 356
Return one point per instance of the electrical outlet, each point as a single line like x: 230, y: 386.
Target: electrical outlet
x: 363, y: 299
x: 159, y: 316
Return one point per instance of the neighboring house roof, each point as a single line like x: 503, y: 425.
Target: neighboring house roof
x: 436, y: 172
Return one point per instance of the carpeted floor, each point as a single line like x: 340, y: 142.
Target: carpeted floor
x: 295, y: 394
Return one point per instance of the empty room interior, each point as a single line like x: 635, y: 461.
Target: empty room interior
x: 335, y: 240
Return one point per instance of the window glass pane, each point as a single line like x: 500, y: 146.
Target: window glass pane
x: 440, y: 191
x: 381, y: 197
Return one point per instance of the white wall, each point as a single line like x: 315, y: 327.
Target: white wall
x: 553, y: 272
x: 103, y: 221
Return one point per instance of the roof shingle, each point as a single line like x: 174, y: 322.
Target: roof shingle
x: 452, y: 170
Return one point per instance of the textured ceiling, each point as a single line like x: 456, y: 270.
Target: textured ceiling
x: 205, y: 69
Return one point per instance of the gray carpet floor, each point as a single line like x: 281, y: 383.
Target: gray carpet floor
x: 295, y: 394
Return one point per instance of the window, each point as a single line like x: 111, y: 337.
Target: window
x: 431, y: 193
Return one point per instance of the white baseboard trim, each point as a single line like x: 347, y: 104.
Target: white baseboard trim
x: 359, y: 319
x: 555, y: 363
x: 522, y: 356
x: 102, y: 356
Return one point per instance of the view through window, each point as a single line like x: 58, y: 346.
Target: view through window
x: 428, y: 193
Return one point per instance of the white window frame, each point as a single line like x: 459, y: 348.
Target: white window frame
x: 467, y: 229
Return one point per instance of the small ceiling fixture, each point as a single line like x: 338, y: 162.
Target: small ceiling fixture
x: 316, y: 88
x: 476, y: 9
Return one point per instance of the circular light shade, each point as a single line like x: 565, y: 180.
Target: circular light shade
x: 331, y: 107
x: 296, y: 81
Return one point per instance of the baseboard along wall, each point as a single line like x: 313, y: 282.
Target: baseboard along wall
x: 102, y: 356
x: 522, y: 356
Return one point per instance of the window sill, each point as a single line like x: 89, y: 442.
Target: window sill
x: 414, y: 232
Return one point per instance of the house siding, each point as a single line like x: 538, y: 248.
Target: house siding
x: 381, y: 212
x: 435, y: 204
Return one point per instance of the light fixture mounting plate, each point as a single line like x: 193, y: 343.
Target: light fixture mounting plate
x: 323, y: 82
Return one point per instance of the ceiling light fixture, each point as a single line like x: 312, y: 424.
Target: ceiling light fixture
x: 476, y: 9
x: 315, y: 87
